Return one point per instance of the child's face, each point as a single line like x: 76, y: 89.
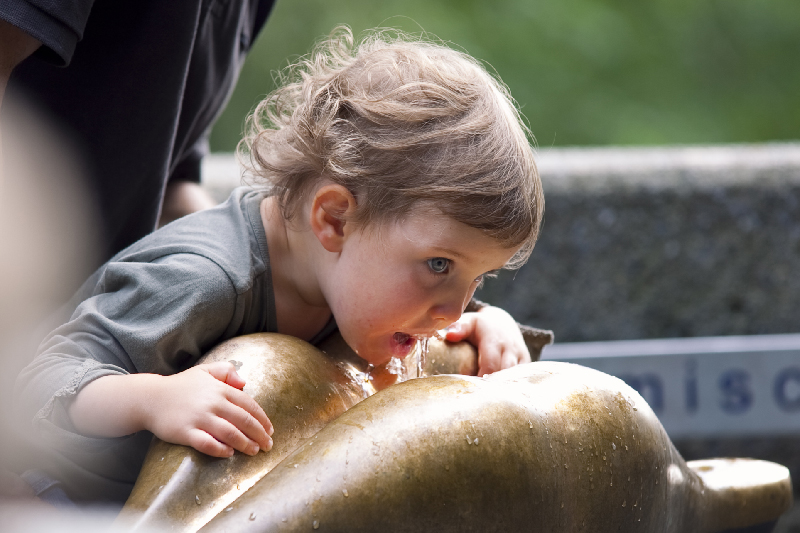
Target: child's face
x: 407, y: 278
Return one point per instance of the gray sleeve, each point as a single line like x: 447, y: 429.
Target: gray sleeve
x: 156, y: 317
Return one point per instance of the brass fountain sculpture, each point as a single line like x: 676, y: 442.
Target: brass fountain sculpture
x: 546, y: 446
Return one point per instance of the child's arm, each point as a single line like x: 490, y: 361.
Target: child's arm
x: 202, y: 407
x: 496, y: 335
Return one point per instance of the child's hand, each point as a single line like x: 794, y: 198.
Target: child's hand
x: 205, y: 408
x: 496, y: 335
x: 202, y: 407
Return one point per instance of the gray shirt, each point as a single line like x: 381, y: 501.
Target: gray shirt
x: 155, y: 307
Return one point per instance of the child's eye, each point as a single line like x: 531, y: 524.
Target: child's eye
x: 439, y: 265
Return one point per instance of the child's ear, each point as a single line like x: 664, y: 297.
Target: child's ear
x: 331, y: 209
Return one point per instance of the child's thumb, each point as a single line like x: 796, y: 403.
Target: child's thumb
x: 226, y: 373
x: 459, y: 330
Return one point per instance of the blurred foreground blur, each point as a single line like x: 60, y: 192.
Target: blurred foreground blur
x: 47, y: 236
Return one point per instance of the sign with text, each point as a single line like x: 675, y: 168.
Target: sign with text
x: 705, y: 387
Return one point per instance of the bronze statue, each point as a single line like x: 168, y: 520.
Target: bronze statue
x: 540, y: 447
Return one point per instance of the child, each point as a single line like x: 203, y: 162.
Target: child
x: 393, y: 177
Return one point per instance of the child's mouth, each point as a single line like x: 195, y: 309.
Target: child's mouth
x: 403, y: 338
x: 403, y: 344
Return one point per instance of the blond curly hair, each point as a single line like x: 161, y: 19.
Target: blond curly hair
x: 399, y: 121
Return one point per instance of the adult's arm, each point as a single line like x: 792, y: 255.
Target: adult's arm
x: 182, y: 198
x: 184, y: 194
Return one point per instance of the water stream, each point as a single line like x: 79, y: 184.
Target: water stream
x: 413, y: 365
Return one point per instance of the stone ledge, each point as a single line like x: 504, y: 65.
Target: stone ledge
x: 669, y: 167
x: 608, y: 168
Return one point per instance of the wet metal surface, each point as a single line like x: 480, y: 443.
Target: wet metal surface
x: 301, y: 390
x: 547, y: 446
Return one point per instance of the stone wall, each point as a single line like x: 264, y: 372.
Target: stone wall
x: 654, y: 242
x: 663, y: 242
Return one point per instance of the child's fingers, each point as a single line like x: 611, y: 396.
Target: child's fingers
x: 509, y: 358
x: 227, y: 433
x: 249, y: 405
x: 205, y: 443
x: 247, y: 424
x: 489, y: 358
x: 461, y: 329
x: 225, y: 372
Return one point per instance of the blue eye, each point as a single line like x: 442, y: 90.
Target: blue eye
x: 439, y: 265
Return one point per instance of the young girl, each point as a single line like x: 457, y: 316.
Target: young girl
x: 392, y: 175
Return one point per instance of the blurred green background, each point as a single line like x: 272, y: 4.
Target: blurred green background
x: 585, y: 72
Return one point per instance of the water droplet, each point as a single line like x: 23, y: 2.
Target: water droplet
x: 530, y: 424
x: 613, y: 446
x: 315, y: 524
x: 562, y: 505
x: 229, y: 509
x: 624, y: 502
x: 469, y: 441
x: 252, y: 516
x: 197, y: 500
x: 295, y: 465
x: 237, y: 486
x: 604, y: 458
x: 344, y: 492
x: 626, y: 447
x: 476, y: 441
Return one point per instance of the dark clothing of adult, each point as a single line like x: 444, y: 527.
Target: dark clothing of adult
x: 135, y: 85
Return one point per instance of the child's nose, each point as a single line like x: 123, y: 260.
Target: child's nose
x: 445, y: 313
